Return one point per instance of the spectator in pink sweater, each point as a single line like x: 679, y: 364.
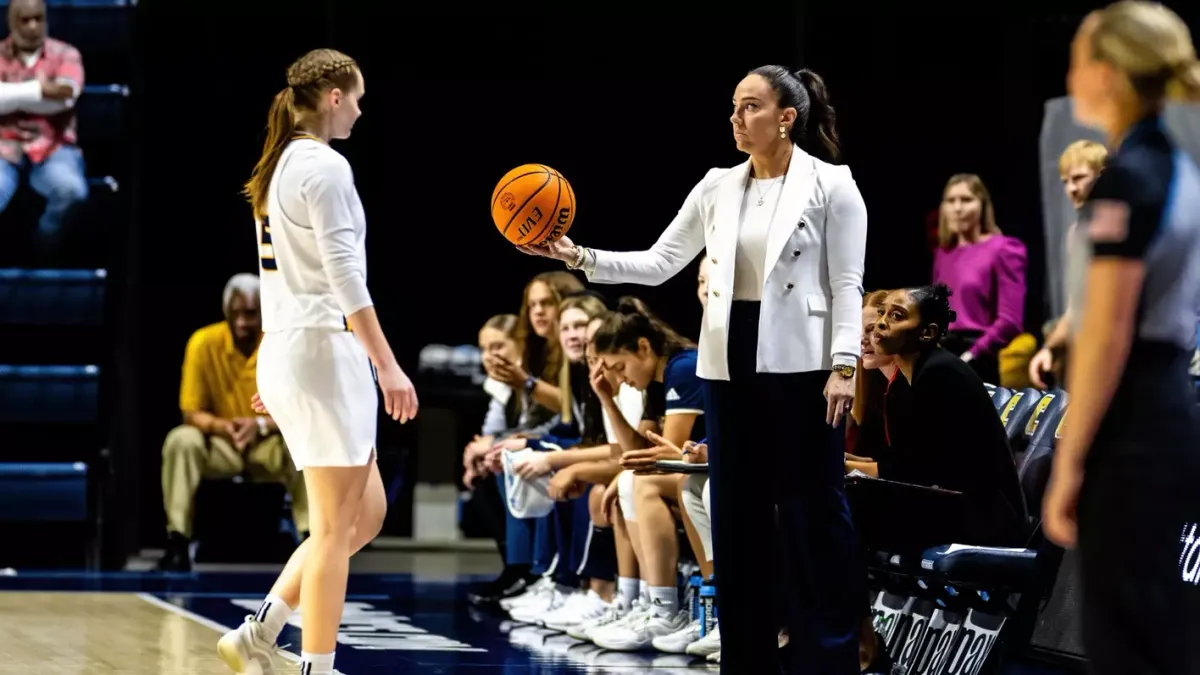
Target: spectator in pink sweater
x: 986, y: 272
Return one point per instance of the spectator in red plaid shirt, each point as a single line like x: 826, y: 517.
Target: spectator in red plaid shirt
x: 40, y: 79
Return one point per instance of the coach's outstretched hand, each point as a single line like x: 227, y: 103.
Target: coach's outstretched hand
x: 561, y: 249
x: 399, y: 395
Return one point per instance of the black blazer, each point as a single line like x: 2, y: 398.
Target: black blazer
x: 953, y: 439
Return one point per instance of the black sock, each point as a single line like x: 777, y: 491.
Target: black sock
x: 602, y: 555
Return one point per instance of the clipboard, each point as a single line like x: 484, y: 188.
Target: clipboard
x: 904, y: 518
x: 675, y: 466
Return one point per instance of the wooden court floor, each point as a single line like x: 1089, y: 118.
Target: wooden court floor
x: 102, y: 634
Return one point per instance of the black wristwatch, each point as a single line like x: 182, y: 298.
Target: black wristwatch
x: 845, y: 371
x: 530, y: 383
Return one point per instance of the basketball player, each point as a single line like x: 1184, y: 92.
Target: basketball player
x: 1125, y: 476
x: 314, y: 374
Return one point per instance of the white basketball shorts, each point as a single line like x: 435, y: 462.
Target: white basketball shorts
x: 319, y: 387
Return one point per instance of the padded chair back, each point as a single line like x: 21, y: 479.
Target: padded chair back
x: 1016, y: 414
x: 1034, y: 470
x: 1049, y: 405
x: 1000, y: 397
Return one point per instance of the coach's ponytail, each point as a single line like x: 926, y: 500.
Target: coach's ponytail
x: 281, y: 126
x: 815, y: 128
x: 820, y: 129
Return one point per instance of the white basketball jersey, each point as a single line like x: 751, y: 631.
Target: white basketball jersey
x: 312, y: 245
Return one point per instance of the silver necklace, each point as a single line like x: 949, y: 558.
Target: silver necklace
x: 761, y: 195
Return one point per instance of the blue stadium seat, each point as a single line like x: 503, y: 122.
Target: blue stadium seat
x: 52, y: 297
x: 44, y: 492
x: 1000, y: 396
x: 1016, y: 414
x: 49, y: 394
x: 90, y: 3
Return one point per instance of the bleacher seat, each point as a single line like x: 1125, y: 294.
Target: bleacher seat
x: 49, y: 394
x: 40, y: 492
x: 52, y: 297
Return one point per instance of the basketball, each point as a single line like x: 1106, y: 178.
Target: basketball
x: 533, y: 204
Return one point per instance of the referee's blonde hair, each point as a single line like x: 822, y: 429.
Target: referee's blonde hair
x: 245, y: 284
x: 1151, y: 46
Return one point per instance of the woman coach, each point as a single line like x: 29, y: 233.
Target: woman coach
x: 785, y: 234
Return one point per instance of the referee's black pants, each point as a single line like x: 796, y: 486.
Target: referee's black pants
x: 768, y: 446
x: 1139, y: 524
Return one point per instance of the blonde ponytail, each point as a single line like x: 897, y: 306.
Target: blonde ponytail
x: 1184, y: 86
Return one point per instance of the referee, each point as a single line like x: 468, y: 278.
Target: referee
x: 1125, y: 487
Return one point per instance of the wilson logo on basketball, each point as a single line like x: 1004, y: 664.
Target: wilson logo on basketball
x: 532, y: 205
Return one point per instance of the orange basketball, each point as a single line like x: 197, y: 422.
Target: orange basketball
x: 533, y: 204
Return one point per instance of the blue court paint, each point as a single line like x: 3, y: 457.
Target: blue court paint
x: 394, y: 623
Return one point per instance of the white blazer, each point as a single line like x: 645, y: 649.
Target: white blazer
x: 811, y: 313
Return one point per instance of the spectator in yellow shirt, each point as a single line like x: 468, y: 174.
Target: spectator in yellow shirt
x: 221, y: 436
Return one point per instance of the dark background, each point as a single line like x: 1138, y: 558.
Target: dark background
x: 630, y: 103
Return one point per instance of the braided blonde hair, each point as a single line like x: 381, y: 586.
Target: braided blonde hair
x: 308, y: 79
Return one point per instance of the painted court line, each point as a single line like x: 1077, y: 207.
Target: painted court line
x: 208, y: 623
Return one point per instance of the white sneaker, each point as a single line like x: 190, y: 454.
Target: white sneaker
x: 639, y: 611
x: 677, y: 642
x: 534, y: 611
x: 613, y: 614
x: 579, y: 608
x: 245, y: 651
x: 708, y: 645
x: 639, y: 633
x: 714, y: 658
x: 532, y: 593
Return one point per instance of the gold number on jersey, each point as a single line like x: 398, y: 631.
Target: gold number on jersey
x: 266, y: 252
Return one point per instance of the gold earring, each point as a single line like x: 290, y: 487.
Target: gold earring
x: 782, y: 131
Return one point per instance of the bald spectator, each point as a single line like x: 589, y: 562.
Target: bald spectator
x: 40, y: 80
x: 221, y: 436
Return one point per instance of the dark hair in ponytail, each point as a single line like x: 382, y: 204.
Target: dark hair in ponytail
x: 933, y: 302
x: 632, y: 321
x: 815, y: 129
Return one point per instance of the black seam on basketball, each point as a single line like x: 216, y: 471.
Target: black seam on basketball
x: 523, y: 205
x: 500, y: 190
x: 553, y: 211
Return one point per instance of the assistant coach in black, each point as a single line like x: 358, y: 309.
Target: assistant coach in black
x: 1125, y: 487
x: 785, y: 234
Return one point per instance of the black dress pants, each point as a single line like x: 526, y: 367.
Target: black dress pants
x: 768, y: 447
